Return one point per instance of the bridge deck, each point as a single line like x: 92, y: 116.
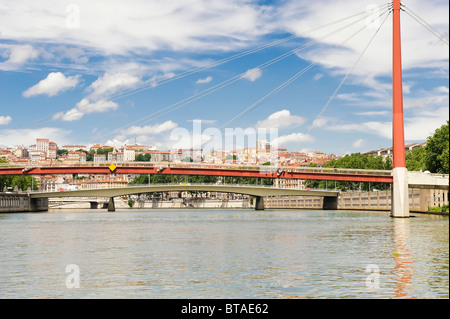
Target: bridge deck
x: 247, y: 190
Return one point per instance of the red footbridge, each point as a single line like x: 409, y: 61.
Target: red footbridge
x: 320, y: 174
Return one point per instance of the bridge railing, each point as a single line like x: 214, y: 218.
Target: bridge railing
x: 237, y: 186
x: 260, y: 168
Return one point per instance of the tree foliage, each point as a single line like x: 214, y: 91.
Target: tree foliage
x: 354, y: 161
x: 175, y: 179
x: 22, y: 182
x: 437, y: 149
x: 416, y: 159
x: 434, y: 157
x: 143, y: 157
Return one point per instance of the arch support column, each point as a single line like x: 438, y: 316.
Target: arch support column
x: 259, y: 204
x: 111, y: 205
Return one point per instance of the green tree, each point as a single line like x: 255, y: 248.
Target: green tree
x: 416, y: 159
x: 22, y: 182
x: 105, y: 151
x: 354, y: 161
x: 62, y: 152
x: 437, y: 160
x: 143, y: 157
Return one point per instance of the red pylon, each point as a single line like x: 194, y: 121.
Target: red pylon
x: 398, y: 136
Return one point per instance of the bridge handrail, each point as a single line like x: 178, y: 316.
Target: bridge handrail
x: 185, y: 185
x: 261, y: 168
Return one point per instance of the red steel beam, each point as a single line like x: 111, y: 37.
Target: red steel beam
x: 199, y: 171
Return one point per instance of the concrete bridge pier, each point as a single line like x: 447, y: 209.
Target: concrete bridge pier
x: 400, y: 193
x: 111, y: 205
x: 259, y: 204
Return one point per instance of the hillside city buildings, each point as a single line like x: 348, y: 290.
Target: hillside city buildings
x: 47, y: 152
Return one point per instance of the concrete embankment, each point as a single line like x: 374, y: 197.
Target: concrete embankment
x: 16, y: 203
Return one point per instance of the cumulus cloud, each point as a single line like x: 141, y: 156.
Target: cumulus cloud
x: 358, y: 143
x: 4, y: 120
x: 382, y: 129
x: 111, y: 83
x: 85, y: 106
x: 54, y: 84
x: 252, y: 74
x: 319, y: 122
x: 205, y: 80
x: 416, y: 127
x: 293, y: 138
x: 373, y: 113
x: 116, y: 27
x: 150, y: 129
x: 12, y: 137
x: 318, y: 76
x: 98, y: 100
x: 281, y: 119
x: 156, y: 135
x: 16, y: 56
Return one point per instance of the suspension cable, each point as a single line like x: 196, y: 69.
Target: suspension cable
x: 346, y: 77
x: 426, y: 25
x: 199, y: 69
x: 292, y: 79
x: 228, y: 82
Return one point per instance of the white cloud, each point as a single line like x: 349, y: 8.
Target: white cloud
x: 382, y: 129
x: 373, y: 113
x: 17, y: 55
x: 4, y: 120
x: 320, y: 122
x: 150, y: 129
x: 351, y: 97
x: 156, y: 135
x: 442, y: 89
x: 26, y: 137
x: 205, y: 80
x: 85, y: 106
x: 281, y: 119
x: 111, y: 83
x: 318, y: 76
x: 53, y: 84
x: 358, y: 143
x: 416, y: 127
x: 203, y: 122
x: 115, y: 27
x: 252, y: 74
x: 422, y: 48
x: 101, y: 90
x: 420, y: 128
x: 293, y: 138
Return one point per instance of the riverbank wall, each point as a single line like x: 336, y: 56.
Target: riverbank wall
x: 17, y: 203
x: 420, y: 201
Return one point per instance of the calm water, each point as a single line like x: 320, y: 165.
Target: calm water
x: 223, y: 254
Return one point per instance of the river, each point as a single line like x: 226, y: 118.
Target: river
x: 174, y: 254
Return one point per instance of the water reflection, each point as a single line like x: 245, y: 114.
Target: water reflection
x: 404, y: 269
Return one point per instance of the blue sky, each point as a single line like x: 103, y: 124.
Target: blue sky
x: 69, y: 71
